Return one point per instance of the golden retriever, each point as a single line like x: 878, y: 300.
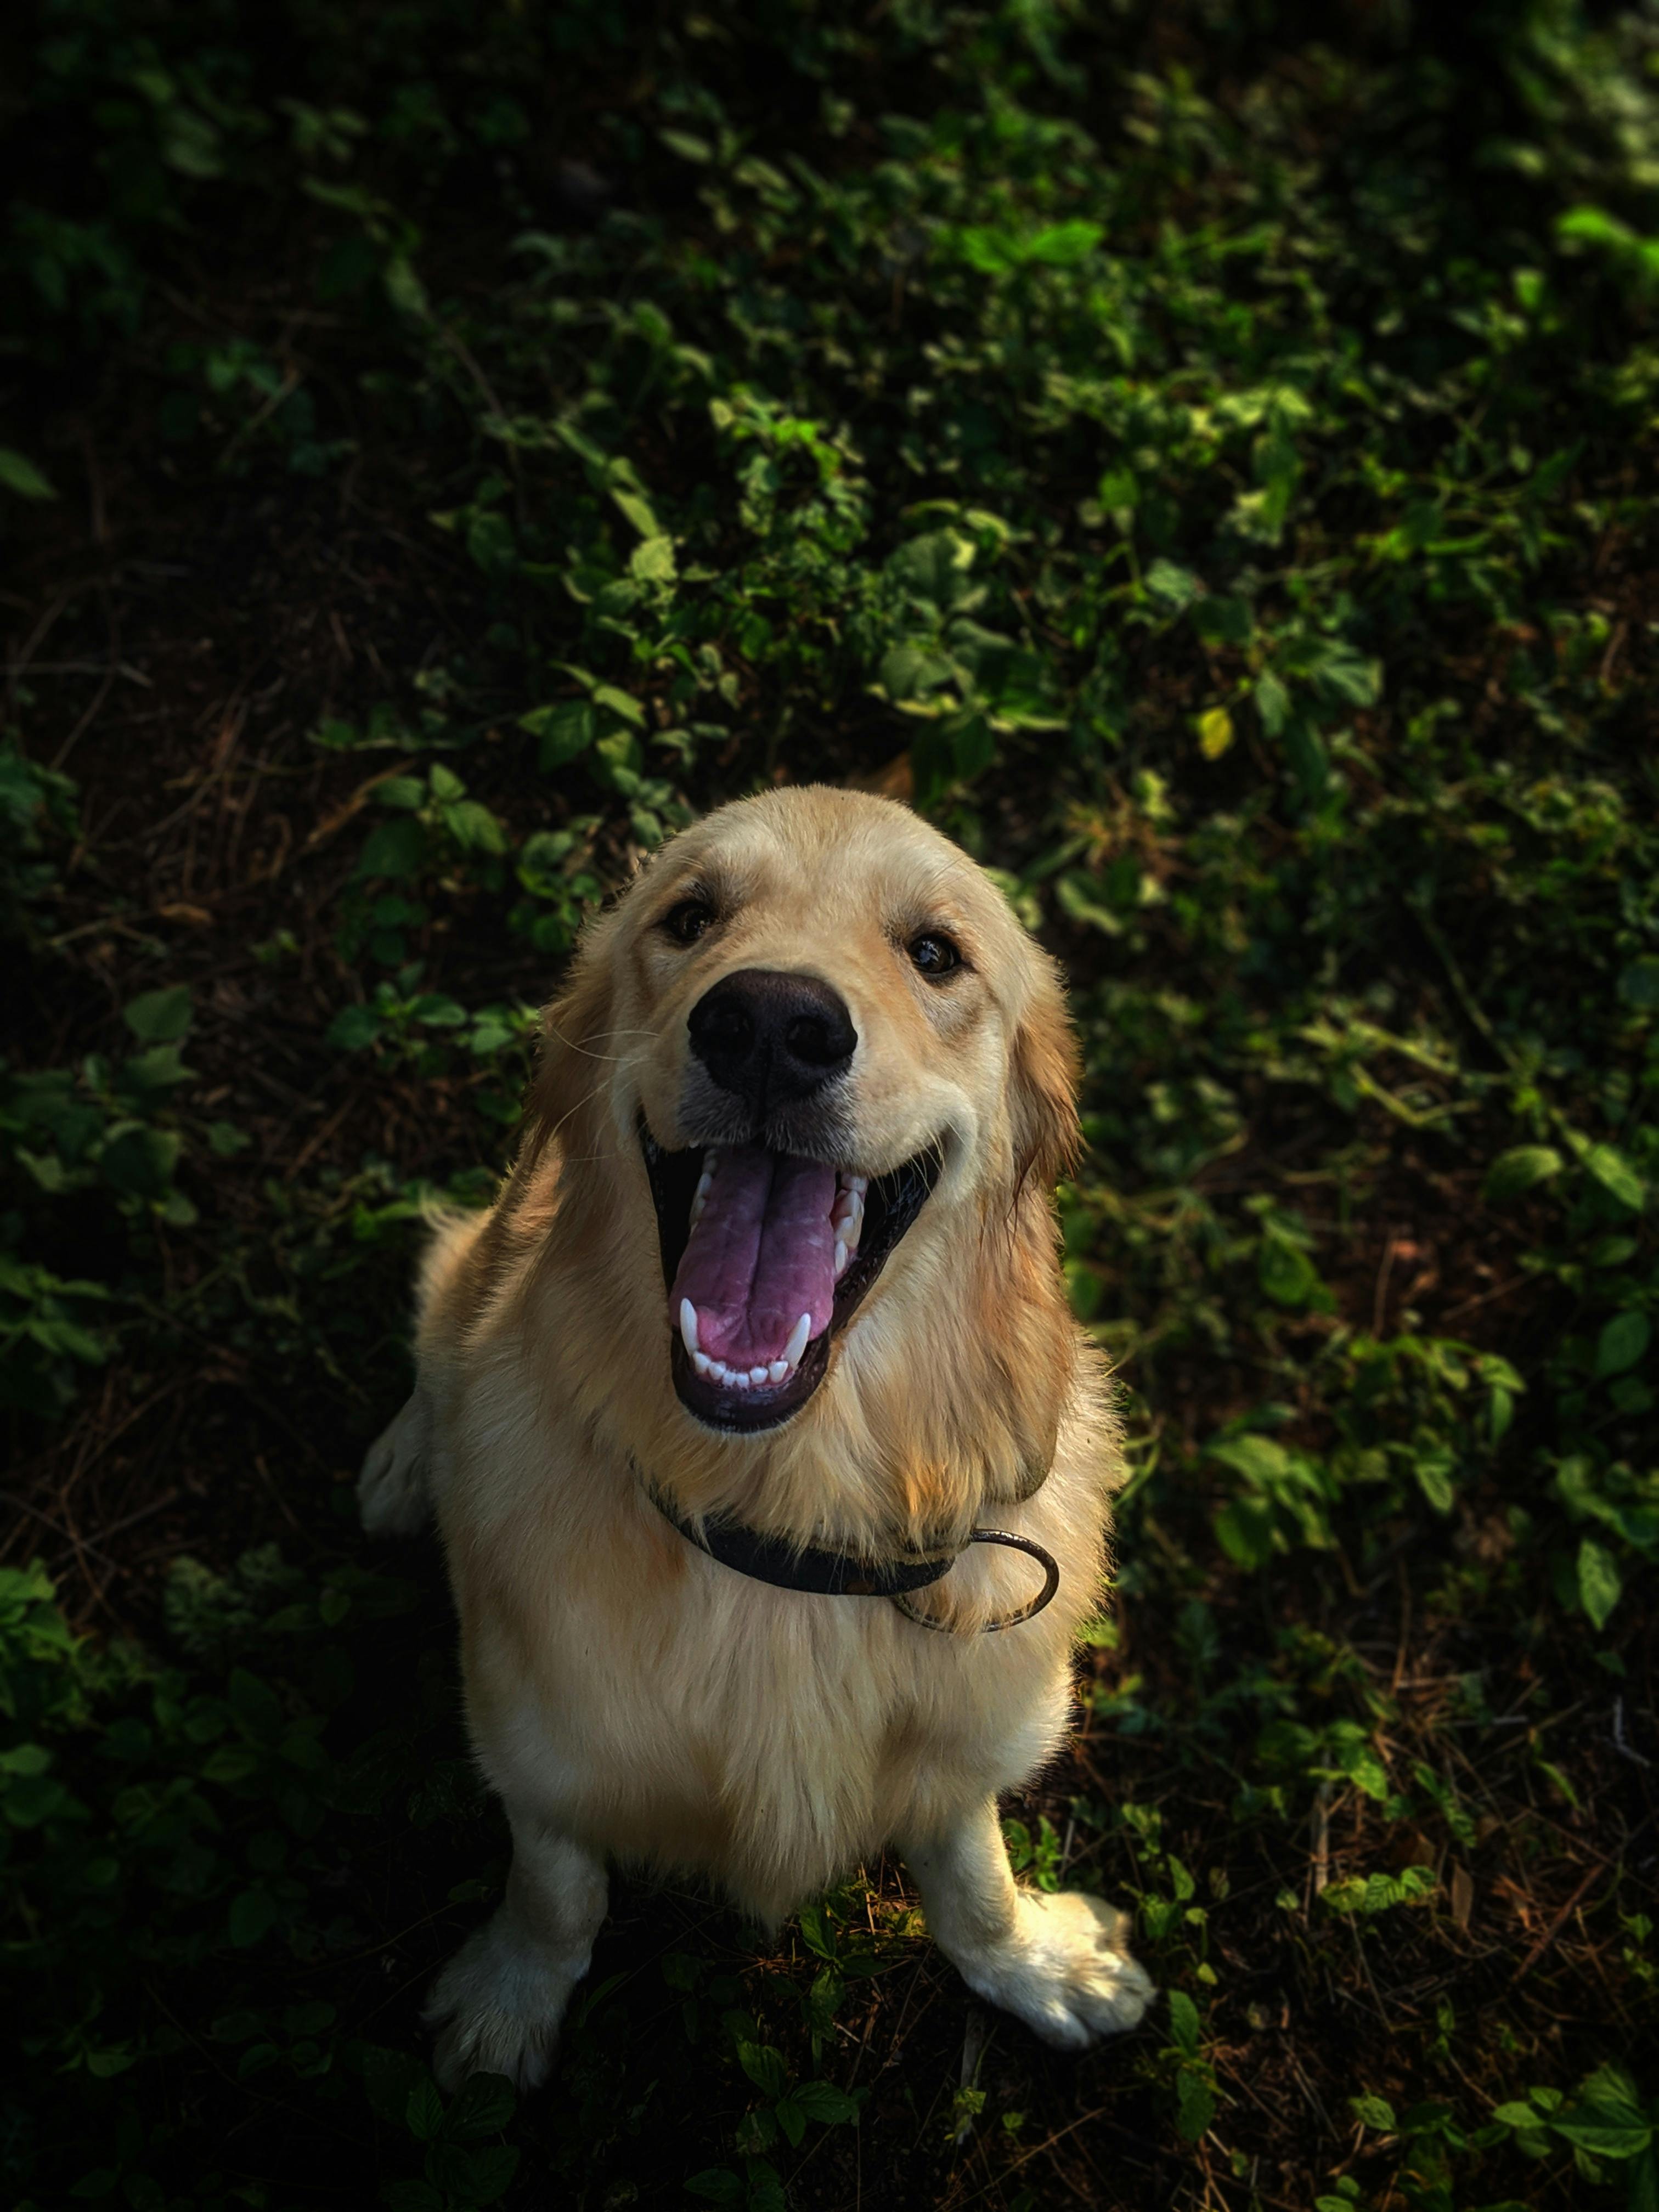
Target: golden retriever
x: 775, y: 1269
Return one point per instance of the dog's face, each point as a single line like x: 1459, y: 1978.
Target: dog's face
x: 828, y: 1033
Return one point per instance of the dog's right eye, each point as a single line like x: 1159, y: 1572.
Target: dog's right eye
x: 686, y: 922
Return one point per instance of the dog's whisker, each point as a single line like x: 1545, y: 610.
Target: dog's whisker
x: 586, y: 1052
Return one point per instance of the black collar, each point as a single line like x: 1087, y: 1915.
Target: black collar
x: 809, y: 1568
x: 815, y: 1572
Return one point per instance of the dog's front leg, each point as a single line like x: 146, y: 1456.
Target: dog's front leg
x: 500, y: 2000
x: 1058, y: 1962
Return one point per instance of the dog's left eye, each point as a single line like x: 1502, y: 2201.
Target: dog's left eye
x: 686, y: 922
x: 934, y: 953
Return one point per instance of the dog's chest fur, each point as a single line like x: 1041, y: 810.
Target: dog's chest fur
x: 629, y: 1690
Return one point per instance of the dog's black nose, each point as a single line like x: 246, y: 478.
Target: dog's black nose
x: 769, y: 1037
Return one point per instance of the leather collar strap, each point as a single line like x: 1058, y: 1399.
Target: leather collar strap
x: 815, y: 1572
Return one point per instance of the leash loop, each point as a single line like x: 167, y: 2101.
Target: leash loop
x: 1046, y: 1560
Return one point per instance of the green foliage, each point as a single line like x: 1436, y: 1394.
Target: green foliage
x: 1207, y: 466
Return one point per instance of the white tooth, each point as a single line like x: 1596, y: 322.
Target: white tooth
x: 798, y: 1336
x: 858, y: 1184
x: 737, y: 1378
x: 757, y: 1373
x: 777, y: 1370
x: 840, y: 1257
x: 703, y: 1363
x: 700, y: 1196
x: 689, y: 1324
x: 710, y: 1161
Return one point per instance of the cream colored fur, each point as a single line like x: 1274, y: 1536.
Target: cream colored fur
x: 629, y: 1698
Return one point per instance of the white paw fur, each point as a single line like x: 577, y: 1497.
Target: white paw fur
x: 392, y: 1490
x: 1064, y: 1970
x: 498, y: 2004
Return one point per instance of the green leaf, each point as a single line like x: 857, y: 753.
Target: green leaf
x: 637, y: 511
x: 1521, y: 1169
x: 1272, y: 703
x: 353, y: 1028
x: 1645, y: 2183
x: 1600, y: 1585
x: 823, y: 2101
x: 492, y: 545
x: 473, y: 827
x: 716, y: 2184
x: 1512, y: 2115
x: 1605, y: 2132
x: 20, y: 475
x: 389, y: 2078
x: 404, y: 288
x: 564, y: 731
x: 1258, y: 1459
x: 1621, y: 1344
x: 620, y: 703
x: 1176, y: 587
x: 1185, y: 2028
x: 423, y: 2110
x: 1195, y: 2106
x: 1221, y: 619
x: 764, y: 2067
x: 651, y: 561
x: 1244, y: 1529
x: 1366, y: 1894
x: 158, y: 1017
x: 1373, y: 2113
x: 1062, y: 245
x: 1613, y: 1172
x: 1639, y: 983
x: 485, y: 2104
x: 1432, y: 1465
x: 765, y: 2192
x: 141, y: 1161
x: 934, y: 568
x: 394, y: 849
x: 1286, y: 1273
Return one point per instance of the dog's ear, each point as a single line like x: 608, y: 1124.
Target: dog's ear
x: 1043, y: 1084
x: 577, y: 1049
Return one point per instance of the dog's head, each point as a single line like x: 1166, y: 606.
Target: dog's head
x: 812, y: 1042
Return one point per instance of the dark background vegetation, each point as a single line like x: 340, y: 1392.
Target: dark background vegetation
x: 1203, y: 454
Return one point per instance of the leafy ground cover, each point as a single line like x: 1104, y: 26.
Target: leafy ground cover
x: 1204, y: 456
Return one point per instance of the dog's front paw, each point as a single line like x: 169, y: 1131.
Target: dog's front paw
x: 1065, y: 1971
x: 497, y: 2005
x: 392, y: 1490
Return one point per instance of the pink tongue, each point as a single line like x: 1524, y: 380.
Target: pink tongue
x: 763, y: 1254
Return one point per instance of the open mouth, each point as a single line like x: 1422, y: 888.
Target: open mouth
x: 766, y: 1255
